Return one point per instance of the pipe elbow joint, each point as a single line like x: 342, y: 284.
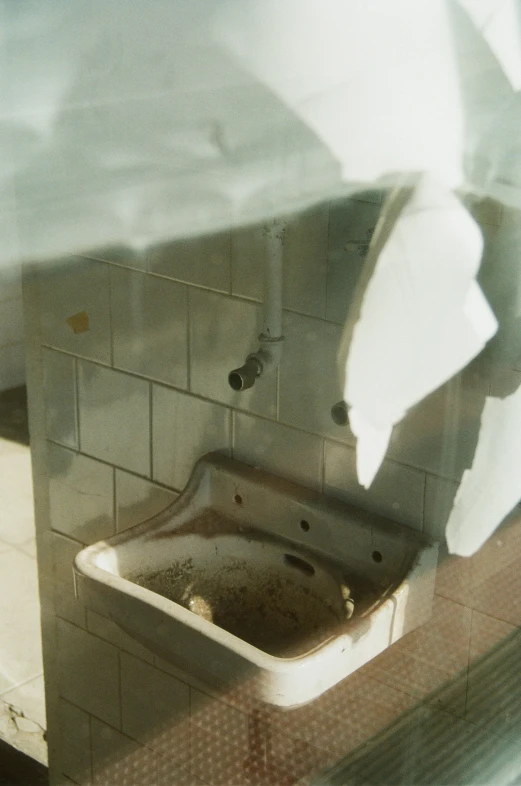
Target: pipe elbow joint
x: 244, y: 377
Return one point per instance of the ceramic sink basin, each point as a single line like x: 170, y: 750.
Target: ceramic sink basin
x: 248, y: 576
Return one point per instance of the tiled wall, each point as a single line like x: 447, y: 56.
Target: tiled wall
x: 132, y: 352
x: 12, y: 354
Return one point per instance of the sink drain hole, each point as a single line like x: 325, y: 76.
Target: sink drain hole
x: 299, y: 564
x: 377, y: 556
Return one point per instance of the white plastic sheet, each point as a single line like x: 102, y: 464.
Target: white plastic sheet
x: 423, y: 317
x: 135, y: 123
x: 491, y: 488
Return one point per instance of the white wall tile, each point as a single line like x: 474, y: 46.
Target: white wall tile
x: 114, y: 417
x: 397, y: 491
x: 11, y: 282
x: 108, y: 630
x: 75, y: 742
x: 440, y: 433
x: 155, y: 708
x: 60, y: 397
x: 120, y: 255
x: 304, y: 266
x: 12, y: 366
x: 66, y: 604
x: 138, y: 500
x: 305, y: 261
x: 504, y: 380
x: 223, y: 332
x: 11, y: 322
x: 89, y: 672
x: 248, y: 250
x: 351, y: 224
x: 439, y: 496
x: 279, y: 449
x: 119, y: 761
x: 72, y: 287
x: 81, y: 495
x: 308, y: 376
x: 204, y: 260
x: 149, y: 326
x: 184, y: 428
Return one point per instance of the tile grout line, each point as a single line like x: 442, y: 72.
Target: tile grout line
x: 151, y: 429
x: 328, y: 236
x: 111, y: 327
x: 472, y: 611
x: 75, y: 371
x: 115, y: 466
x: 188, y: 342
x: 120, y: 693
x: 114, y: 501
x: 323, y: 468
x: 277, y: 394
x: 232, y: 432
x: 424, y: 501
x: 91, y: 752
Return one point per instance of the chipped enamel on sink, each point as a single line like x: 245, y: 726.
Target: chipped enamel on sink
x: 250, y: 577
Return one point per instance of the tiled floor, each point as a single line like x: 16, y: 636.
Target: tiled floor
x: 22, y: 707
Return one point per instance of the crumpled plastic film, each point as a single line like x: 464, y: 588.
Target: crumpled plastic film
x: 132, y: 124
x: 423, y: 317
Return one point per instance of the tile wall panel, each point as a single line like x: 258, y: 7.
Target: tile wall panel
x: 184, y: 428
x: 59, y: 389
x: 80, y: 484
x: 351, y: 225
x: 75, y: 307
x: 309, y: 384
x: 114, y: 417
x: 64, y: 551
x: 205, y: 261
x: 89, y: 672
x: 138, y: 499
x: 75, y: 737
x: 396, y: 492
x: 149, y: 325
x: 274, y: 447
x: 155, y: 708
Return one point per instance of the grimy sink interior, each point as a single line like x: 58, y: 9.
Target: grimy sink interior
x: 248, y: 573
x: 270, y: 593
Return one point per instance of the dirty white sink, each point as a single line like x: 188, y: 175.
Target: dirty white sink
x: 248, y: 576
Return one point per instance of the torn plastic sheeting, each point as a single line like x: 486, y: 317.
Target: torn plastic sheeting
x: 499, y: 22
x: 422, y: 318
x: 377, y: 82
x: 492, y: 486
x: 126, y: 125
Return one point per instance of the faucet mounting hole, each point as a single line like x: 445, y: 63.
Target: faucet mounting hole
x: 377, y: 556
x: 238, y: 499
x: 304, y: 525
x: 300, y: 564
